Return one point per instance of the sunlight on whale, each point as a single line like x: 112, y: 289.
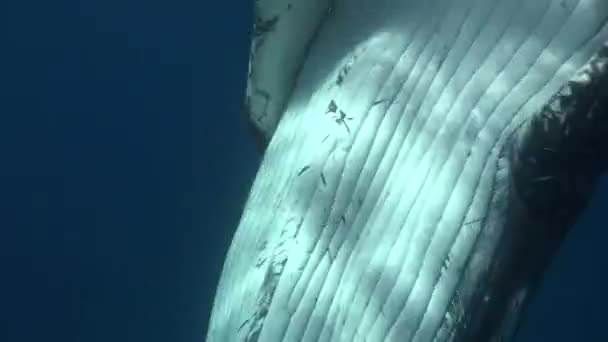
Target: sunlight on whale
x: 424, y: 160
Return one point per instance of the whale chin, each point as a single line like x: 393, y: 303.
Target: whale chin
x: 419, y: 171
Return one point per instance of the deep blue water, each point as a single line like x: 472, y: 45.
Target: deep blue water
x: 125, y: 163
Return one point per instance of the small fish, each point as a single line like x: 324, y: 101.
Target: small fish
x: 332, y: 107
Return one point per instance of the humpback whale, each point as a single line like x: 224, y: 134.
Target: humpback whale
x: 423, y: 161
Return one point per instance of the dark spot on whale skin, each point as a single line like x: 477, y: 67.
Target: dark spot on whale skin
x: 302, y: 170
x: 263, y: 26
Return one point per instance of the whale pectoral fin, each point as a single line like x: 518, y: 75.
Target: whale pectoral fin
x: 560, y: 152
x: 555, y: 159
x: 282, y: 33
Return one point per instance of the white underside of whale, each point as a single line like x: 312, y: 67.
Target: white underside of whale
x: 384, y: 174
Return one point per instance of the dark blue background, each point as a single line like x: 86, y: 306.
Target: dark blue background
x: 126, y: 163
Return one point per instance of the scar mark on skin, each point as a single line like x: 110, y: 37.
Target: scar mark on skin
x: 329, y: 254
x: 330, y: 9
x: 266, y: 96
x: 343, y: 72
x: 243, y: 324
x: 260, y: 263
x: 263, y: 245
x: 375, y: 103
x: 473, y: 221
x: 347, y: 128
x: 446, y: 263
x: 302, y: 170
x: 264, y: 26
x: 340, y: 79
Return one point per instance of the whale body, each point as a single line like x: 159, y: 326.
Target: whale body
x: 424, y: 161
